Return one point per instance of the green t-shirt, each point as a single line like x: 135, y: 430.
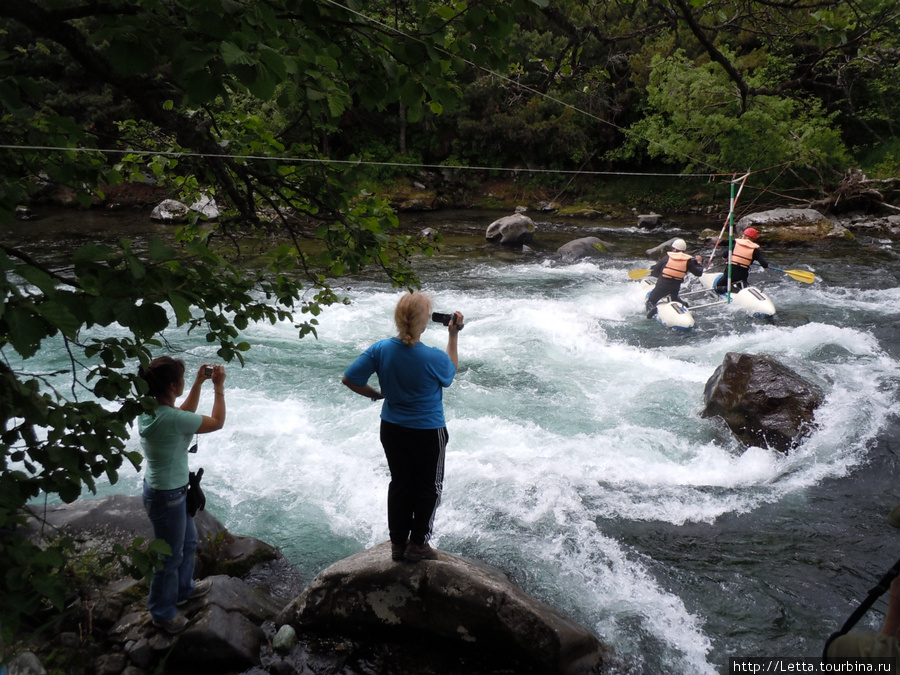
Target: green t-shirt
x: 856, y: 646
x: 165, y: 438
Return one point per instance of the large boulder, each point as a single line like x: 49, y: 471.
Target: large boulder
x: 657, y: 251
x: 763, y: 402
x: 648, y: 221
x: 466, y: 602
x: 586, y: 247
x: 99, y: 524
x: 206, y: 206
x: 170, y: 211
x: 787, y: 225
x: 174, y: 211
x: 513, y: 230
x: 225, y: 633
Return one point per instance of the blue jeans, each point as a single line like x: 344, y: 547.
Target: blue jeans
x: 167, y: 510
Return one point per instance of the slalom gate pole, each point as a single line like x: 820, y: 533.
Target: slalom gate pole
x: 729, y: 218
x: 730, y: 239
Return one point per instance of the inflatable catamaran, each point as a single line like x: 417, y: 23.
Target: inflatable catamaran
x: 715, y: 288
x: 677, y: 315
x: 753, y: 301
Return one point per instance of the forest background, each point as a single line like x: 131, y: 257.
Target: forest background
x: 298, y: 117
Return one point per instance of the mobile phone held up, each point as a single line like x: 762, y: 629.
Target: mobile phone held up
x: 207, y: 370
x: 445, y: 319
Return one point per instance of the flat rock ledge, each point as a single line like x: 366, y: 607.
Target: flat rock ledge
x: 364, y: 614
x: 451, y: 598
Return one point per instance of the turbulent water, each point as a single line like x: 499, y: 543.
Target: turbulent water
x: 578, y: 461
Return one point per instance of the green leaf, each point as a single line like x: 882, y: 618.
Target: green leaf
x: 336, y: 106
x: 262, y: 85
x: 58, y: 315
x: 160, y: 251
x: 136, y: 266
x: 10, y: 97
x: 26, y: 330
x: 37, y: 277
x: 202, y: 87
x: 144, y: 320
x: 274, y: 61
x: 181, y: 305
x: 91, y: 253
x: 234, y: 55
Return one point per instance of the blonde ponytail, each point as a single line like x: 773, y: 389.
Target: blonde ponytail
x: 411, y: 316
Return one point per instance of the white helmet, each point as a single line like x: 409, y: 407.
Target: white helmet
x: 679, y: 245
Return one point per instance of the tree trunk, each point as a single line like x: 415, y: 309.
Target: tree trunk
x: 402, y: 116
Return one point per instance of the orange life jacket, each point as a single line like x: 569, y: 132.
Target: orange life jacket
x: 742, y: 255
x: 676, y: 266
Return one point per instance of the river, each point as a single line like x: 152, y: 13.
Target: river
x: 578, y: 462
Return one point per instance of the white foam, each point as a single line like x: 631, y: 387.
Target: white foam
x: 553, y: 425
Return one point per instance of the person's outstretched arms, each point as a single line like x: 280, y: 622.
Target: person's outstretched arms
x: 216, y: 420
x: 452, y: 332
x: 193, y: 397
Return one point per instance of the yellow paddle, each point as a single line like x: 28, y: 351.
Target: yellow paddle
x: 798, y: 275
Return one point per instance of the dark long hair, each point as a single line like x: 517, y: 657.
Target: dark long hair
x: 161, y: 373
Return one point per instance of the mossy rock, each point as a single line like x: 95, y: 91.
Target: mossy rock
x: 579, y: 211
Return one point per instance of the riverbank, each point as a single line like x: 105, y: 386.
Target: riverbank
x: 595, y: 197
x: 567, y: 196
x: 545, y: 196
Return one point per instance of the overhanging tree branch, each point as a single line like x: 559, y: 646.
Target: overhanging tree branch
x: 713, y: 51
x: 13, y: 252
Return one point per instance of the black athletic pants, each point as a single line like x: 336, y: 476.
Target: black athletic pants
x: 739, y: 277
x: 416, y: 460
x: 663, y: 288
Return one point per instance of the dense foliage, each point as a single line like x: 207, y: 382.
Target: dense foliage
x: 274, y: 109
x: 695, y: 85
x: 196, y: 94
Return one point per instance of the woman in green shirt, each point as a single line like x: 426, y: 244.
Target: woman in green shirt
x: 165, y: 437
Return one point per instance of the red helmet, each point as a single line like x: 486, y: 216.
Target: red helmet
x: 751, y: 233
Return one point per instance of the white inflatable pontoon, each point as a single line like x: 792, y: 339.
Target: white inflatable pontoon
x: 669, y: 314
x: 750, y: 299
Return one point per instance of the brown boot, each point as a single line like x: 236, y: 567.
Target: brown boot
x: 397, y: 551
x: 417, y: 552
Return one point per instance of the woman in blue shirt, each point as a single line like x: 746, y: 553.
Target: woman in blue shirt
x: 412, y: 377
x: 165, y: 436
